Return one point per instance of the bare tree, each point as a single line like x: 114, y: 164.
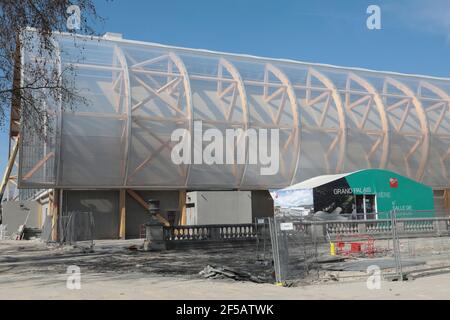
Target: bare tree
x: 27, y: 85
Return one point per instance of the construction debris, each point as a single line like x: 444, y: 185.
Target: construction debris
x: 212, y: 272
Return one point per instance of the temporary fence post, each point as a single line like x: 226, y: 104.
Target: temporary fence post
x: 396, y: 245
x: 276, y: 257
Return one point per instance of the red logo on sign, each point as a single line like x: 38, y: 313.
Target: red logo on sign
x: 393, y: 182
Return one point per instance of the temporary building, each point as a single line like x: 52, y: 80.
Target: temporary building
x: 367, y: 194
x: 113, y: 152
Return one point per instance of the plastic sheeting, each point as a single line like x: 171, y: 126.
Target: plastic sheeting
x: 330, y: 119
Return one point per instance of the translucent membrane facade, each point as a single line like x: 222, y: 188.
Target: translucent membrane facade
x: 330, y: 119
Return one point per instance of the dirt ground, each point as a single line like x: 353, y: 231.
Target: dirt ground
x: 32, y: 270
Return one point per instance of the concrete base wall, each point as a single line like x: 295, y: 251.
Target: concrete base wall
x: 104, y: 204
x: 14, y: 214
x: 262, y: 204
x: 218, y: 207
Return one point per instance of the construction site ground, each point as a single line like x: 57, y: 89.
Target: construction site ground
x: 120, y: 270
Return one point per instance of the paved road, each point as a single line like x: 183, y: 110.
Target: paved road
x: 143, y: 286
x: 31, y: 270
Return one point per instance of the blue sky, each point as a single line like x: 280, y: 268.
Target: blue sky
x: 414, y: 35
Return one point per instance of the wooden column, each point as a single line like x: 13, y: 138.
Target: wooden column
x: 54, y: 207
x: 447, y: 199
x: 182, y: 207
x: 122, y: 211
x: 39, y: 214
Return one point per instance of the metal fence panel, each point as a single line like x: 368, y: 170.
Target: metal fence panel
x: 399, y: 245
x: 295, y: 250
x: 76, y: 227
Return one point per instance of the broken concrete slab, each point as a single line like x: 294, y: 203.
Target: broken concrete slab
x: 212, y: 272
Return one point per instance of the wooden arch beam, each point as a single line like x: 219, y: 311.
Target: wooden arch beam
x: 342, y: 138
x: 178, y: 62
x: 296, y: 134
x: 186, y: 115
x: 421, y: 114
x: 444, y: 95
x: 119, y: 55
x: 382, y: 112
x: 232, y: 70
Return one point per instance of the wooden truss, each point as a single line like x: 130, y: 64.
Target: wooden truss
x: 438, y: 115
x: 171, y: 88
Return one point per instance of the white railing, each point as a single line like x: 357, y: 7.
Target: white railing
x: 3, y: 231
x: 378, y: 228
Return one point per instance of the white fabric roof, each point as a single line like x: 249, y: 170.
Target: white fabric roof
x: 317, y: 181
